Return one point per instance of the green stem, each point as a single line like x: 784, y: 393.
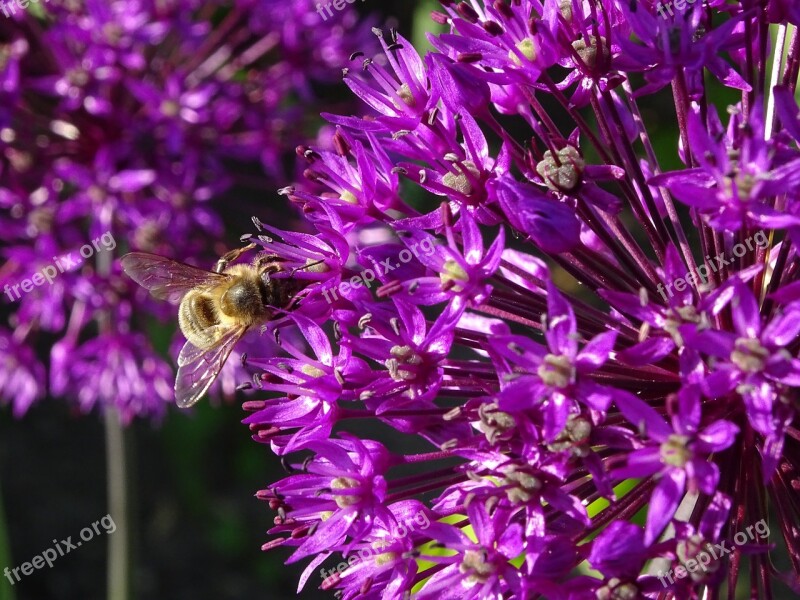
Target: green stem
x: 6, y: 591
x: 118, y: 566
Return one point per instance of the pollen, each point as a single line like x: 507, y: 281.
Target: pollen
x: 675, y: 452
x: 495, y: 424
x: 452, y: 271
x: 563, y: 172
x: 475, y: 563
x: 345, y: 483
x: 616, y: 590
x: 588, y: 51
x: 528, y: 49
x: 385, y: 558
x: 522, y: 486
x: 349, y: 197
x: 556, y: 371
x: 170, y: 108
x: 404, y: 92
x: 749, y: 355
x: 460, y: 182
x: 312, y: 371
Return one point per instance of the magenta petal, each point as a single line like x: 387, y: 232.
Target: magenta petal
x: 327, y: 535
x: 596, y: 352
x: 461, y: 87
x: 714, y: 343
x: 562, y: 330
x: 674, y: 268
x: 132, y: 180
x: 619, y: 549
x: 642, y: 416
x: 787, y: 109
x: 705, y: 474
x: 688, y: 417
x: 551, y: 224
x: 630, y: 304
x: 717, y: 436
x: 783, y: 328
x: 511, y: 542
x: 720, y: 382
x: 566, y: 503
x: 597, y: 397
x: 746, y: 315
x: 770, y: 455
x: 663, y: 503
x: 641, y: 463
x: 649, y: 351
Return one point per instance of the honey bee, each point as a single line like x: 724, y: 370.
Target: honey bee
x: 216, y: 308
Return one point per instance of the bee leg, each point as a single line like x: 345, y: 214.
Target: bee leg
x: 294, y: 302
x: 231, y: 256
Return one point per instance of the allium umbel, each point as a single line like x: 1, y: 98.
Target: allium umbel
x: 594, y: 376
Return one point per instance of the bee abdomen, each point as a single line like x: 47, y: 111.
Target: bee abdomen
x: 196, y: 315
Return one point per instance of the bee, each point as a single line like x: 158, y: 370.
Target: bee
x: 216, y: 308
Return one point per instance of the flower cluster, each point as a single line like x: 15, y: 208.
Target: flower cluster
x: 568, y: 431
x: 140, y: 118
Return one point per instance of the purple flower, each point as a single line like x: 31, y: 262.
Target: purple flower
x: 22, y: 378
x: 556, y: 376
x: 677, y: 454
x: 550, y: 224
x: 341, y: 494
x: 730, y: 188
x: 478, y: 569
x: 619, y: 554
x: 753, y: 361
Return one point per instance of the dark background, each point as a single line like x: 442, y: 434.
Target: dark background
x: 196, y: 527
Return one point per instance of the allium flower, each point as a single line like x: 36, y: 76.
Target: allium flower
x: 129, y: 123
x: 594, y: 372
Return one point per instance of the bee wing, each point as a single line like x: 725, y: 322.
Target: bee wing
x: 166, y: 279
x: 198, y: 368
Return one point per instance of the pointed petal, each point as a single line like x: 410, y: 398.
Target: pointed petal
x: 663, y: 503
